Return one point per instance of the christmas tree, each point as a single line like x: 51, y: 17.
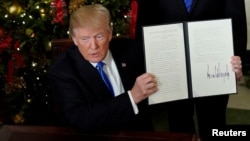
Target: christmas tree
x: 27, y: 28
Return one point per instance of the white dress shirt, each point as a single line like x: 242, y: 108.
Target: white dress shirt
x: 115, y: 79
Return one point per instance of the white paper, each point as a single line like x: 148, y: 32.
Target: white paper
x: 165, y: 58
x: 211, y: 49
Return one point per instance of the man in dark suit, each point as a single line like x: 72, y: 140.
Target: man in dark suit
x: 211, y: 111
x: 85, y: 100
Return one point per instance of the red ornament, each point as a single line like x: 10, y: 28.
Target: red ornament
x: 1, y: 32
x: 133, y: 16
x: 5, y: 43
x: 14, y: 64
x: 59, y: 11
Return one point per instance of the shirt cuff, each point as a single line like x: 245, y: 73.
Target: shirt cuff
x: 135, y: 108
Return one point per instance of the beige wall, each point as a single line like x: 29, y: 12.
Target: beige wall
x: 247, y: 3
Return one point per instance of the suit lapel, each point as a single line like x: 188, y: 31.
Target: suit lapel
x: 128, y: 58
x: 182, y: 5
x: 193, y: 5
x: 121, y: 65
x: 89, y: 75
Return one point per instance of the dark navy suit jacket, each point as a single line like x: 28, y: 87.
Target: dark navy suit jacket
x: 83, y: 97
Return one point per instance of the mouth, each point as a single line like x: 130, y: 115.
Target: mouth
x: 94, y: 54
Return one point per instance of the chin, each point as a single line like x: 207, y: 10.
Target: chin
x: 95, y: 60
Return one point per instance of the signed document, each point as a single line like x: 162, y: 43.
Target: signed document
x: 190, y: 59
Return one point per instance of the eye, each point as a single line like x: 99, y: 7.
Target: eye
x: 99, y: 37
x: 85, y: 39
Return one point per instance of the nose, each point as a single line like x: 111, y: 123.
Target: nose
x: 93, y: 43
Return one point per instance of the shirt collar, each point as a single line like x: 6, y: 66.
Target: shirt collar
x: 106, y: 60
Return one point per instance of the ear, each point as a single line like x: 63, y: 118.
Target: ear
x: 110, y: 35
x: 74, y: 40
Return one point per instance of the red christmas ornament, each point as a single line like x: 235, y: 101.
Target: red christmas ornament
x: 1, y: 32
x: 59, y: 11
x: 133, y: 16
x: 5, y: 43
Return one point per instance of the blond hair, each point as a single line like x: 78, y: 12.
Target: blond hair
x: 93, y: 16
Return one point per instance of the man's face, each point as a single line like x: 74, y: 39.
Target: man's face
x: 93, y: 44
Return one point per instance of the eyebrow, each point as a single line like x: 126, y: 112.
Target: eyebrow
x: 85, y: 36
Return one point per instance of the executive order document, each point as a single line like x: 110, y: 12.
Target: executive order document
x: 190, y: 59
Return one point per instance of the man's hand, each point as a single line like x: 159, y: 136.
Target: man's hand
x: 237, y: 67
x: 144, y: 86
